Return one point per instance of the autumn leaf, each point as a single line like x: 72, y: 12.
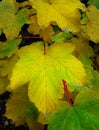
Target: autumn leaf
x: 64, y: 12
x: 20, y: 109
x: 83, y: 115
x: 45, y: 73
x: 93, y: 24
x: 11, y: 20
x: 34, y: 27
x: 9, y: 48
x: 6, y: 65
x: 47, y: 33
x: 3, y: 84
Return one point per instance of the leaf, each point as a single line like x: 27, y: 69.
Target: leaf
x: 84, y: 114
x: 84, y: 19
x: 34, y: 27
x: 3, y: 84
x: 83, y: 52
x: 66, y: 35
x: 47, y: 33
x: 10, y: 47
x: 64, y: 12
x: 6, y: 65
x: 95, y: 79
x: 93, y: 24
x: 95, y: 2
x: 45, y: 73
x: 11, y: 20
x: 20, y: 109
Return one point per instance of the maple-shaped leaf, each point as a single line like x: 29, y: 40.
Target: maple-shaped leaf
x: 64, y: 12
x: 20, y: 109
x: 9, y: 48
x: 11, y: 20
x: 83, y: 115
x: 45, y: 72
x: 93, y: 24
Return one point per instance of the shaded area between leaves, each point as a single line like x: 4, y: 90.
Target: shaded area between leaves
x: 5, y: 123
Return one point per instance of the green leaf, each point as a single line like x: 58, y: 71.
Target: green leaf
x: 66, y: 35
x: 12, y: 19
x: 10, y: 47
x: 19, y: 108
x: 95, y: 2
x: 84, y: 115
x: 45, y: 73
x: 95, y: 79
x: 55, y: 28
x: 84, y: 19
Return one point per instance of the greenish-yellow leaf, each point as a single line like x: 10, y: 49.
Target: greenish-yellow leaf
x: 11, y: 20
x: 6, y: 65
x: 20, y: 109
x: 45, y: 73
x: 3, y: 84
x: 64, y: 12
x: 9, y: 48
x: 93, y: 24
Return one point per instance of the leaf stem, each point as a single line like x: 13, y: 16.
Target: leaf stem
x: 67, y: 92
x: 44, y: 48
x: 26, y: 37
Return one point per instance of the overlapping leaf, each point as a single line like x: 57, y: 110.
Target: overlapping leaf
x: 64, y: 12
x: 9, y: 48
x: 93, y: 24
x: 83, y: 52
x: 84, y: 114
x: 95, y: 2
x: 6, y: 65
x: 3, y: 84
x: 11, y: 20
x: 20, y: 109
x: 45, y: 73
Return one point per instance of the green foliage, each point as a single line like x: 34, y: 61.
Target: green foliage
x: 95, y: 2
x: 82, y: 116
x: 34, y: 73
x: 9, y: 48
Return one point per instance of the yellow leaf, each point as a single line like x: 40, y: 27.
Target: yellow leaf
x: 20, y: 109
x: 34, y: 27
x: 45, y: 73
x: 64, y: 12
x: 93, y: 24
x: 6, y: 65
x: 3, y: 84
x: 47, y: 33
x: 12, y: 19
